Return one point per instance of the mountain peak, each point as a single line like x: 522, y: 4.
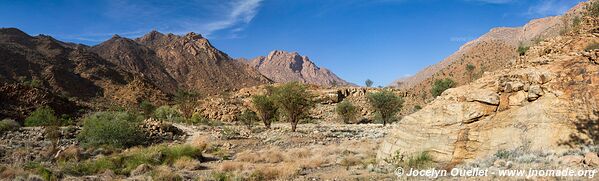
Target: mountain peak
x: 283, y: 66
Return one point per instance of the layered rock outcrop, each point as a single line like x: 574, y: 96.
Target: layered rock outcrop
x: 546, y: 100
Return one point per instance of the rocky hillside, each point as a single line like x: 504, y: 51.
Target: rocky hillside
x: 44, y: 68
x: 493, y: 51
x: 186, y: 62
x: 281, y: 66
x: 544, y: 101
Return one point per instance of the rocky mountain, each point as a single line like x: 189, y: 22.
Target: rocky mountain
x: 493, y: 51
x: 50, y: 68
x: 281, y: 66
x: 544, y: 100
x: 175, y: 62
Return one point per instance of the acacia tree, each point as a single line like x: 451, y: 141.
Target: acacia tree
x: 293, y: 102
x: 386, y: 104
x: 368, y: 83
x: 347, y: 111
x: 265, y: 108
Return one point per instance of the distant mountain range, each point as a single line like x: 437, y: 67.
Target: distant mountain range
x: 128, y: 71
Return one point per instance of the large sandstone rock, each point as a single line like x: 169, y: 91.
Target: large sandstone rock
x: 534, y: 105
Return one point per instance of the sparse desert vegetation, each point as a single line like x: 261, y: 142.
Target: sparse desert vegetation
x: 173, y: 107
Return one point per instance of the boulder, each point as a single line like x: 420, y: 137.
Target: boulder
x: 591, y: 159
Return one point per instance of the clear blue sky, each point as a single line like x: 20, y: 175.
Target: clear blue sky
x: 357, y: 39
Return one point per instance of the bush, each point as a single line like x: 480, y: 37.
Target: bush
x: 441, y: 85
x: 419, y: 161
x: 293, y: 102
x: 8, y: 125
x: 116, y: 129
x: 168, y: 113
x: 197, y: 118
x: 265, y: 108
x: 522, y: 50
x: 347, y: 111
x: 248, y: 118
x: 42, y: 116
x: 386, y: 104
x: 147, y: 108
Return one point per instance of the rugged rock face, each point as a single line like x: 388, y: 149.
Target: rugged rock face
x: 545, y: 101
x: 18, y: 100
x: 495, y: 50
x: 58, y: 69
x: 281, y: 66
x: 196, y: 65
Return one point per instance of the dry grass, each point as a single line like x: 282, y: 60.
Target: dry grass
x: 186, y: 163
x: 12, y: 172
x: 201, y: 142
x: 164, y: 173
x: 272, y: 155
x: 230, y: 166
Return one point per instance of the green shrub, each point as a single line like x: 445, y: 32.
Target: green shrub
x: 347, y: 111
x: 441, y: 85
x: 293, y: 102
x: 42, y: 116
x: 168, y: 113
x: 419, y: 161
x: 197, y: 118
x: 88, y: 167
x: 503, y: 154
x: 8, y: 125
x: 592, y: 46
x: 147, y: 108
x: 265, y: 108
x: 522, y: 50
x: 116, y: 129
x: 386, y: 104
x: 248, y: 118
x: 417, y: 107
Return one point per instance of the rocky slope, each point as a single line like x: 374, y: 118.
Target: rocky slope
x: 495, y: 50
x: 281, y: 66
x: 174, y: 62
x: 544, y: 101
x: 46, y: 68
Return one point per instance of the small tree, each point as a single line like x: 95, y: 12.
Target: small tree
x: 168, y: 113
x: 186, y: 101
x: 368, y: 83
x: 266, y: 109
x: 470, y: 69
x: 522, y: 50
x: 42, y: 116
x: 248, y: 118
x: 147, y: 108
x: 386, y: 104
x: 441, y: 85
x: 347, y: 111
x: 293, y: 102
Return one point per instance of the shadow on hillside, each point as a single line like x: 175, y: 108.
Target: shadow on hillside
x: 587, y: 132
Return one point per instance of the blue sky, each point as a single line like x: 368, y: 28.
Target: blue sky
x: 357, y: 39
